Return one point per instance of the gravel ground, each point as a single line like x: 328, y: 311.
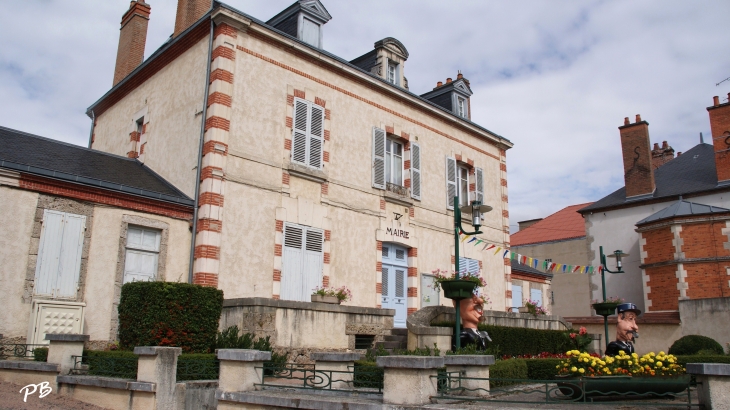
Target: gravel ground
x: 12, y: 399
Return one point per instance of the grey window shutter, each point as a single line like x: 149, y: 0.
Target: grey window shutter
x: 480, y: 185
x: 378, y: 158
x: 291, y: 263
x: 299, y: 135
x: 450, y: 182
x: 316, y: 136
x: 415, y: 171
x: 70, y: 261
x: 49, y: 253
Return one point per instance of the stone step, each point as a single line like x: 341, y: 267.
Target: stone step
x: 395, y: 338
x: 399, y: 331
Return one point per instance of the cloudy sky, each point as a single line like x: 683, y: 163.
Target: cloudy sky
x: 555, y: 77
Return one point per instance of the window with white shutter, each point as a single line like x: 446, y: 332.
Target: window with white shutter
x: 480, y: 185
x: 468, y: 265
x: 302, y: 262
x: 378, y: 158
x: 307, y: 134
x: 415, y: 171
x: 59, y: 254
x: 141, y: 254
x: 451, y: 175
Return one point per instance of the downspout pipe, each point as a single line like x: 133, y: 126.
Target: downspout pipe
x: 91, y: 132
x: 200, y: 152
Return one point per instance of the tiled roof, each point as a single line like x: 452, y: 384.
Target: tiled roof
x: 518, y: 267
x: 683, y: 208
x: 32, y: 154
x: 567, y: 223
x: 693, y: 171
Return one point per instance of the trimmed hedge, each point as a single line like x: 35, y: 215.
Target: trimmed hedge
x: 507, y: 369
x: 693, y: 344
x: 683, y: 360
x: 368, y: 374
x: 542, y: 369
x: 197, y: 366
x: 515, y: 341
x: 40, y: 354
x: 115, y: 363
x: 169, y: 314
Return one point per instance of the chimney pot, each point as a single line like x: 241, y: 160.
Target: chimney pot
x: 715, y: 101
x: 638, y: 117
x: 656, y: 146
x: 448, y: 80
x: 665, y: 145
x: 679, y: 153
x: 439, y: 84
x: 626, y: 121
x: 459, y: 76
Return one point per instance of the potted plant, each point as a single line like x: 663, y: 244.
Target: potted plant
x: 532, y: 308
x: 622, y: 374
x: 608, y: 307
x: 331, y: 295
x: 461, y: 288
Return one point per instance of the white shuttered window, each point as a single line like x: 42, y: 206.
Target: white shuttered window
x: 451, y: 177
x: 142, y: 253
x: 307, y: 134
x: 480, y: 185
x: 415, y: 171
x: 468, y: 265
x: 59, y: 254
x: 302, y: 262
x: 378, y: 158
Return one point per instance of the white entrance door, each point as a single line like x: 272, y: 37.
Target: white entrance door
x: 394, y: 276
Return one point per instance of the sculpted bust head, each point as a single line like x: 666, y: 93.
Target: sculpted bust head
x: 626, y: 324
x: 471, y: 312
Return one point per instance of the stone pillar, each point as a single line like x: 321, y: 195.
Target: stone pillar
x: 335, y: 368
x: 713, y: 384
x: 476, y: 366
x: 408, y: 379
x: 157, y: 364
x: 62, y: 347
x: 239, y: 369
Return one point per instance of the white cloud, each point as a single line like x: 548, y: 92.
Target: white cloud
x: 555, y: 77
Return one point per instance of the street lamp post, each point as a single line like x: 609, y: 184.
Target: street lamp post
x: 476, y: 209
x: 618, y: 254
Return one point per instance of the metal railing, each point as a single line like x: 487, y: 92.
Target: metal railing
x: 18, y: 350
x: 119, y: 367
x: 355, y: 379
x: 198, y: 369
x: 636, y: 391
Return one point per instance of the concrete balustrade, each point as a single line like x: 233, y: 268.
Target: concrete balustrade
x: 238, y: 369
x: 337, y: 368
x: 408, y: 379
x: 476, y: 366
x: 713, y: 389
x: 157, y: 364
x: 62, y: 348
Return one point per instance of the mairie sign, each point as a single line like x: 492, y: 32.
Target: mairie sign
x: 397, y: 232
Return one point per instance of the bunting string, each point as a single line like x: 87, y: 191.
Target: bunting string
x: 545, y: 265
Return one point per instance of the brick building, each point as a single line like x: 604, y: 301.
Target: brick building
x: 307, y: 169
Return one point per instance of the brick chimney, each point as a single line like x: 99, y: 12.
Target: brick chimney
x: 188, y: 12
x: 132, y: 38
x: 661, y: 155
x: 636, y: 149
x: 720, y: 128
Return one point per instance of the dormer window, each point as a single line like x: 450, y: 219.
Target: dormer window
x: 304, y: 20
x: 392, y: 73
x: 310, y: 32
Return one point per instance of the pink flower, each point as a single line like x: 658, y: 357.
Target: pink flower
x: 582, y: 331
x: 572, y: 335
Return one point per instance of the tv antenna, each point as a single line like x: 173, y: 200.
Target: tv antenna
x: 722, y: 81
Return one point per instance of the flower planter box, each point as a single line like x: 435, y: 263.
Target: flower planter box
x: 325, y: 299
x: 605, y: 309
x: 458, y: 289
x: 523, y: 309
x: 626, y: 386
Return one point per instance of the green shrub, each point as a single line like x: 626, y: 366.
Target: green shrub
x: 693, y: 344
x: 515, y: 341
x: 40, y: 354
x: 368, y: 374
x: 229, y: 339
x: 683, y: 360
x: 507, y: 369
x: 197, y: 366
x: 542, y: 369
x: 169, y: 314
x: 116, y: 363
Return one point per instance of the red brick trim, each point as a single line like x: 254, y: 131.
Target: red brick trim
x: 132, y: 154
x: 412, y: 311
x: 505, y: 213
x: 503, y: 166
x: 277, y: 275
x: 320, y: 101
x: 378, y: 266
x: 412, y: 272
x: 134, y: 136
x: 277, y: 250
x: 407, y: 164
x: 453, y: 259
x: 389, y: 129
x: 326, y: 135
x: 210, y: 198
x: 457, y: 157
x: 327, y: 257
x: 327, y: 114
x: 413, y: 252
x: 382, y: 204
x: 141, y: 148
x: 224, y: 52
x: 327, y: 235
x: 326, y: 156
x: 289, y: 122
x: 365, y: 100
x: 379, y: 288
x: 289, y: 99
x: 325, y: 188
x: 412, y: 292
x: 507, y: 262
x: 505, y: 198
x: 129, y: 84
x: 206, y: 279
x: 405, y: 136
x: 503, y: 182
x: 211, y: 225
x: 209, y: 147
x: 226, y: 30
x: 412, y: 212
x: 217, y: 122
x: 219, y: 98
x: 508, y: 294
x: 470, y: 162
x: 275, y: 297
x: 102, y: 196
x: 207, y: 251
x: 503, y: 154
x: 379, y: 245
x: 287, y: 144
x: 207, y: 172
x: 284, y: 178
x: 279, y: 226
x: 298, y: 93
x: 222, y: 75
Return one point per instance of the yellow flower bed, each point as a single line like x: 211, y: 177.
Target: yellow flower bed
x: 650, y: 364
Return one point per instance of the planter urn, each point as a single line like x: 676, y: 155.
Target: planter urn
x: 325, y: 299
x: 605, y: 308
x: 458, y: 288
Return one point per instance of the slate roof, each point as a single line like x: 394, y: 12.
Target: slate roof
x: 683, y: 208
x: 23, y: 152
x: 692, y: 172
x: 565, y: 224
x: 518, y: 267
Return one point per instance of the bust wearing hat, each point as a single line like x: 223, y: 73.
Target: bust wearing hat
x: 626, y: 329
